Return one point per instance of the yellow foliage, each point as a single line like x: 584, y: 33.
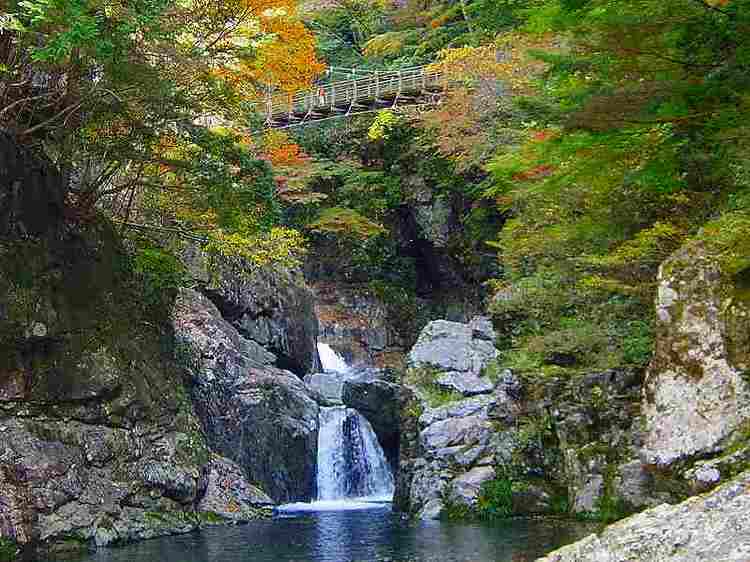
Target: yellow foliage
x: 384, y: 120
x: 281, y: 246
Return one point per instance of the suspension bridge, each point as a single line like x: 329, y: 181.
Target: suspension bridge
x: 362, y: 91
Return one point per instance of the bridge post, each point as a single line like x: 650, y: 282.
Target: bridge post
x: 400, y: 86
x: 269, y: 107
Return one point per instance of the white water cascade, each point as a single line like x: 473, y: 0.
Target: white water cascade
x: 332, y: 362
x: 351, y: 463
x: 353, y: 472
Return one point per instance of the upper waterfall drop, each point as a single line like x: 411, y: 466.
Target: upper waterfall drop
x: 331, y: 361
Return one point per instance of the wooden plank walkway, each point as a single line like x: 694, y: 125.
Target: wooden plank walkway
x: 376, y: 90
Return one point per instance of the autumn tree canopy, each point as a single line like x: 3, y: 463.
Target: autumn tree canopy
x: 145, y: 104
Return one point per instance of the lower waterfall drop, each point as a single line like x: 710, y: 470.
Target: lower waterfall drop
x: 351, y: 463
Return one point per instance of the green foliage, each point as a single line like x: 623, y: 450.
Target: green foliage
x: 161, y: 275
x: 423, y: 379
x: 8, y: 550
x: 495, y: 499
x: 344, y: 29
x: 343, y: 222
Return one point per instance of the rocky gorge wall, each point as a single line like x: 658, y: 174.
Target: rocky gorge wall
x: 479, y: 441
x: 121, y: 418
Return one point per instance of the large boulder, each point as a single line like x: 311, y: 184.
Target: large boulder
x: 455, y: 347
x: 379, y: 402
x: 444, y: 452
x: 229, y: 495
x: 254, y: 414
x: 696, y: 395
x: 272, y: 307
x: 709, y: 527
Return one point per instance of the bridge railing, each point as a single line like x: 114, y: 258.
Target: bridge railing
x: 345, y: 95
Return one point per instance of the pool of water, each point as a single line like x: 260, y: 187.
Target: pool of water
x: 356, y: 535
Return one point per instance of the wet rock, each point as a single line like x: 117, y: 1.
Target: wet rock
x: 379, y: 402
x: 328, y: 386
x: 229, y: 495
x: 452, y: 346
x: 433, y: 509
x: 708, y: 527
x: 695, y: 396
x: 260, y: 417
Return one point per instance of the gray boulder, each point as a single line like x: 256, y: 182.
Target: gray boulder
x: 709, y: 527
x: 328, y: 386
x: 464, y: 383
x: 258, y: 416
x: 269, y: 306
x: 452, y: 346
x: 465, y: 489
x: 229, y: 495
x: 695, y: 396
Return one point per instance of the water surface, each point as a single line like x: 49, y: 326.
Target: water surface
x: 359, y: 535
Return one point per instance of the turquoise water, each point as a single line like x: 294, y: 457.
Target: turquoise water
x: 353, y: 536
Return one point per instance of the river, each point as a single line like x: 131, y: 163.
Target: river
x: 353, y: 535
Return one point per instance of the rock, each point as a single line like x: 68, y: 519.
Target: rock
x: 229, y: 495
x: 589, y: 494
x: 433, y: 509
x: 379, y: 402
x: 695, y: 396
x: 99, y: 441
x: 260, y: 417
x: 482, y: 329
x: 354, y: 321
x: 464, y: 383
x: 705, y: 475
x: 531, y: 499
x: 708, y: 527
x: 452, y: 346
x: 442, y: 441
x: 476, y: 405
x: 435, y: 221
x: 465, y: 489
x: 328, y: 386
x: 634, y: 485
x: 271, y: 307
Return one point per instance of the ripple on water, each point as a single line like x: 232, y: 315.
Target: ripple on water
x: 353, y: 535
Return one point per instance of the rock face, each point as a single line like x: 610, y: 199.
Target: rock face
x: 439, y: 452
x: 559, y: 444
x: 355, y: 322
x: 710, y: 527
x: 695, y: 394
x: 99, y: 442
x: 269, y: 306
x: 455, y: 347
x: 228, y: 494
x: 379, y: 402
x: 260, y: 417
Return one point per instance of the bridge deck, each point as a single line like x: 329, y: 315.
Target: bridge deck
x: 345, y: 97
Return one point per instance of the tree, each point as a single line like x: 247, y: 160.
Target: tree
x: 143, y: 104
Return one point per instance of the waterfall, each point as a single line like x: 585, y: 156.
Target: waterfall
x: 353, y: 472
x: 332, y: 362
x: 351, y: 463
